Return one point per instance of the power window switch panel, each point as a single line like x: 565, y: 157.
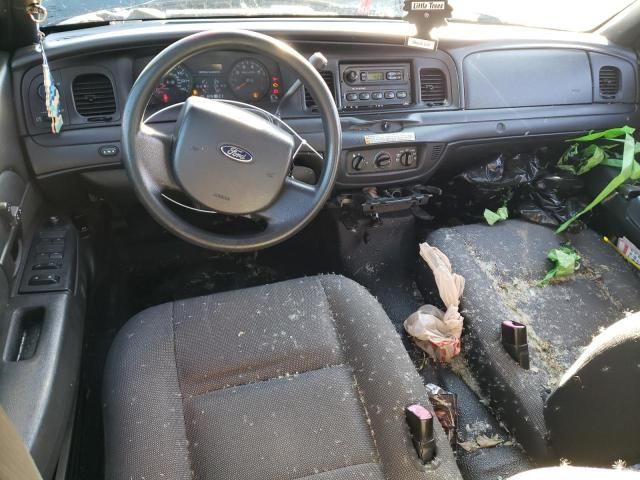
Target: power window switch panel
x: 40, y: 280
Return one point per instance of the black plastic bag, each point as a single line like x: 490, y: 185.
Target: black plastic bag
x: 504, y: 172
x: 552, y: 200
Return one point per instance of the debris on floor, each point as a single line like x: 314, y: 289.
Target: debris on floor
x: 477, y: 437
x: 437, y: 332
x: 498, y: 216
x: 445, y: 406
x: 566, y: 261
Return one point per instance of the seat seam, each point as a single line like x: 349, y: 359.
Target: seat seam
x: 353, y: 374
x: 270, y: 379
x: 184, y: 421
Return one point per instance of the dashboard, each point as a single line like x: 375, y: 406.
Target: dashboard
x: 406, y: 112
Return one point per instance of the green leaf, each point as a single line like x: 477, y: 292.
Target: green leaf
x: 606, y: 134
x: 565, y: 262
x: 579, y: 161
x: 630, y: 170
x: 498, y: 216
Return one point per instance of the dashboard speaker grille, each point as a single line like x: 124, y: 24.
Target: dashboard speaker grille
x: 327, y: 76
x: 93, y: 95
x: 609, y: 80
x: 433, y: 86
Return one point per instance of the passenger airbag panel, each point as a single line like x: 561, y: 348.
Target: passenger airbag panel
x: 537, y: 77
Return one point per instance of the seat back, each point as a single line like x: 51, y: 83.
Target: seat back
x: 593, y: 415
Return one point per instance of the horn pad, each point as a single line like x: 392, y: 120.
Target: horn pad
x: 229, y: 159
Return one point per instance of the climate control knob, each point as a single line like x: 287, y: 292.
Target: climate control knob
x: 357, y: 162
x: 407, y: 158
x: 382, y: 160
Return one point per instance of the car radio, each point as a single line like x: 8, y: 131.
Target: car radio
x: 375, y: 85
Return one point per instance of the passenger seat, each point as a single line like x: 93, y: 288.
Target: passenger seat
x: 591, y: 394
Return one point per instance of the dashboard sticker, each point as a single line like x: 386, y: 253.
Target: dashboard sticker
x: 389, y: 138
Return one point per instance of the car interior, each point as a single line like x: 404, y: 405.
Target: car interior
x: 212, y: 216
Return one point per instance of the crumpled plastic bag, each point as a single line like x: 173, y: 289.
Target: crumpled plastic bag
x: 552, y: 200
x: 434, y: 331
x: 565, y: 261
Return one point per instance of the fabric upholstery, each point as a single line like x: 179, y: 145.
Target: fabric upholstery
x: 606, y: 428
x: 502, y: 265
x: 301, y: 379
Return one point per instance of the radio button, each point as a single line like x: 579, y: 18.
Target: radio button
x: 352, y: 97
x: 401, y: 94
x: 365, y: 96
x: 394, y: 75
x: 363, y: 76
x: 376, y: 95
x: 389, y: 95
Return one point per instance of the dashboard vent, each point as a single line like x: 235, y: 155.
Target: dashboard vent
x: 433, y: 86
x: 436, y: 152
x: 609, y: 80
x: 327, y: 76
x: 93, y: 96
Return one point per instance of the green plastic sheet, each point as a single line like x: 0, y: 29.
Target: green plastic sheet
x: 498, y: 216
x: 629, y: 167
x: 565, y: 262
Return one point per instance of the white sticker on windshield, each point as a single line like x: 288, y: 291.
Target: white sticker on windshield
x: 389, y: 138
x: 427, y: 5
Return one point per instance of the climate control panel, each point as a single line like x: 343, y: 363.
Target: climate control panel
x: 381, y: 159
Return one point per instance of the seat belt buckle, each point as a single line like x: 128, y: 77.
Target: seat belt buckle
x: 514, y: 341
x: 420, y: 421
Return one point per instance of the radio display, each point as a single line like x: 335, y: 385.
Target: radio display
x: 375, y: 76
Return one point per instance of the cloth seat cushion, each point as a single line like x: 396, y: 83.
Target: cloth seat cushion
x: 502, y: 265
x: 304, y: 378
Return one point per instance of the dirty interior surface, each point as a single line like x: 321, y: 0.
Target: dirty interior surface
x: 503, y: 266
x: 147, y: 267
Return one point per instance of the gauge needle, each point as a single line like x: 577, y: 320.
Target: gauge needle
x: 240, y: 86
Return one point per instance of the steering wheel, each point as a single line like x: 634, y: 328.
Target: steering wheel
x: 225, y: 157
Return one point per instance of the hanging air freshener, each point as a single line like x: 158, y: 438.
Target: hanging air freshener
x: 38, y: 14
x: 426, y: 16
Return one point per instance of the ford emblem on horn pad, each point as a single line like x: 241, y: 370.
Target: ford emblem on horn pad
x: 236, y: 153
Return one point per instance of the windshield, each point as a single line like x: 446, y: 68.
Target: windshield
x: 575, y: 15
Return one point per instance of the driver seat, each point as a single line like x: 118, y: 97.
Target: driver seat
x: 301, y: 379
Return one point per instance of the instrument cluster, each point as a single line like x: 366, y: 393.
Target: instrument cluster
x: 220, y: 75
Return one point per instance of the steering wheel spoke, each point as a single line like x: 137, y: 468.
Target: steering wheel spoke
x: 153, y: 149
x: 294, y: 201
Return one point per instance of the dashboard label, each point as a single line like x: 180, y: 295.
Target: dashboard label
x: 427, y: 6
x: 421, y: 43
x: 389, y: 138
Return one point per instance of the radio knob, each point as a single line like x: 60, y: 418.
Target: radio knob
x: 350, y: 76
x: 383, y: 160
x: 407, y: 159
x: 357, y: 162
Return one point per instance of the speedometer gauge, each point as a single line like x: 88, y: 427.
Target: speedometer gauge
x: 175, y: 87
x: 249, y: 80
